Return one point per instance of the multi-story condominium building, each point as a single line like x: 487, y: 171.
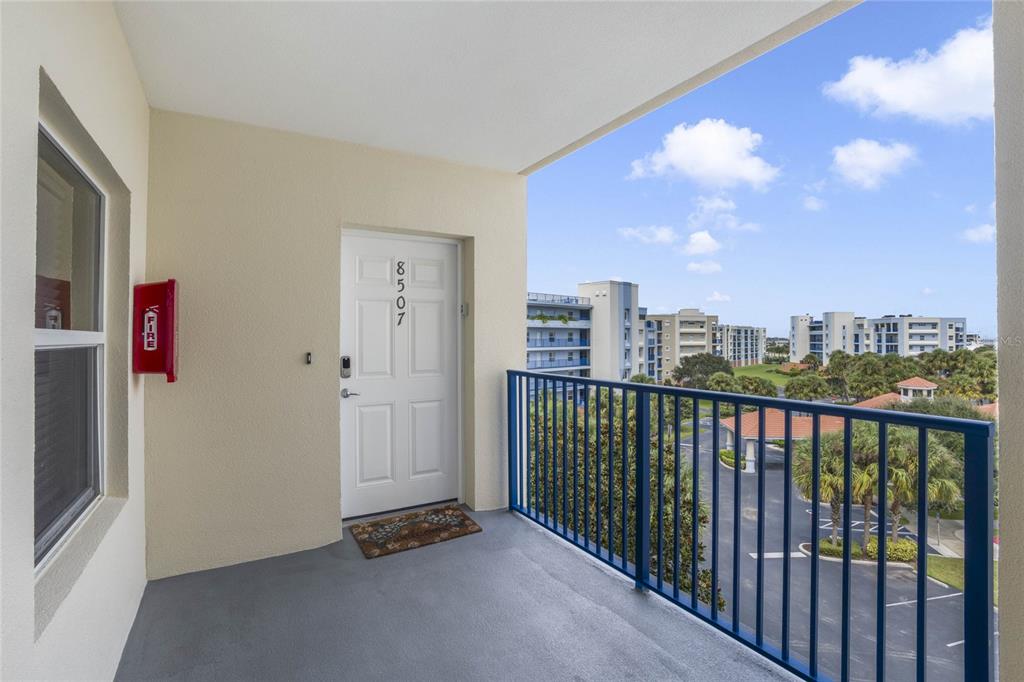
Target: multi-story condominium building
x: 616, y: 334
x: 652, y: 353
x: 691, y: 331
x: 974, y: 341
x: 890, y: 334
x: 597, y: 333
x: 558, y: 334
x: 742, y: 345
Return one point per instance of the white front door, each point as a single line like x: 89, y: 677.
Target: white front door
x: 400, y: 330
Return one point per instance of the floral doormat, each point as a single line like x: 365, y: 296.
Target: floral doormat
x: 415, y: 529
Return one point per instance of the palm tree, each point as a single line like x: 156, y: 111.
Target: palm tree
x: 943, y: 474
x: 830, y: 479
x: 864, y: 474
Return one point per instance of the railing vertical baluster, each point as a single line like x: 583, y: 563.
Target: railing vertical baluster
x: 513, y: 440
x: 979, y: 631
x: 812, y: 657
x: 847, y: 545
x: 597, y: 467
x: 715, y: 465
x: 546, y: 434
x: 536, y: 463
x: 695, y: 504
x: 759, y: 620
x: 642, y: 543
x: 661, y: 490
x: 565, y: 459
x: 522, y: 435
x: 787, y: 523
x: 575, y: 464
x: 554, y: 454
x: 527, y: 443
x: 737, y: 516
x: 611, y: 474
x: 677, y: 422
x: 922, y: 553
x: 586, y: 466
x: 625, y: 474
x: 883, y: 537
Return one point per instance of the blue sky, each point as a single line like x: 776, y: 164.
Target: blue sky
x: 799, y: 182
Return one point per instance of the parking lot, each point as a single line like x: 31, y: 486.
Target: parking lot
x: 944, y: 605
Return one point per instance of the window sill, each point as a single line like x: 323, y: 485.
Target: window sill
x: 59, y: 570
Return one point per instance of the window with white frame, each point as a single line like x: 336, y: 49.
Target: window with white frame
x: 69, y: 344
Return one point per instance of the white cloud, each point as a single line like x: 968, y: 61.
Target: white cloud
x: 653, y: 234
x: 712, y: 153
x: 812, y: 203
x: 866, y: 163
x: 970, y: 208
x: 927, y: 291
x: 951, y: 86
x: 717, y: 213
x: 700, y: 244
x: 716, y: 297
x: 704, y: 267
x: 980, y: 234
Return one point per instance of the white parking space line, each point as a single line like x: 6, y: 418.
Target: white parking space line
x: 958, y: 643
x: 914, y: 601
x: 778, y: 555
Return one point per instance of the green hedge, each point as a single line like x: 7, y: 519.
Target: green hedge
x: 903, y: 549
x: 826, y: 548
x: 726, y: 456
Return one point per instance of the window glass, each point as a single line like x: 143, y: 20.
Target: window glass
x: 68, y: 244
x: 66, y: 462
x: 69, y: 345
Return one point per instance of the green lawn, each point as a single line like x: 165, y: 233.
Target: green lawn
x: 764, y: 371
x: 950, y: 570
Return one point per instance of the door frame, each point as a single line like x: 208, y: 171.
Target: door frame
x: 357, y: 230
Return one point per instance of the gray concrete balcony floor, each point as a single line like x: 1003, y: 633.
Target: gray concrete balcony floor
x: 512, y: 601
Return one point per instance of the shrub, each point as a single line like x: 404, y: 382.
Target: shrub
x: 727, y: 458
x: 903, y: 549
x: 826, y: 548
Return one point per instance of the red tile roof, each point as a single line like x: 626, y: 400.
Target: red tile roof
x: 990, y: 410
x: 880, y: 401
x: 803, y: 426
x: 916, y: 382
x: 775, y: 424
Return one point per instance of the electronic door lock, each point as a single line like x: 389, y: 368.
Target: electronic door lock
x: 346, y: 366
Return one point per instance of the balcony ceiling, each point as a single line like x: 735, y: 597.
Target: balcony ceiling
x: 506, y: 86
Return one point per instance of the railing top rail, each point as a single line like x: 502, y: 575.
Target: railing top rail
x: 536, y: 297
x: 928, y: 421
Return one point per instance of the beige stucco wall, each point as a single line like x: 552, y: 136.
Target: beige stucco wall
x: 1008, y: 26
x: 84, y: 603
x: 243, y: 452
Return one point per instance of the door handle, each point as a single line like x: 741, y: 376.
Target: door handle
x: 345, y: 393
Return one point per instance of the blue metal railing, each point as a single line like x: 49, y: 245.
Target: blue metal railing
x: 637, y: 498
x: 534, y: 297
x: 557, y: 343
x: 555, y: 364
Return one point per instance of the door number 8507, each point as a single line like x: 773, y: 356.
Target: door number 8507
x: 400, y: 287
